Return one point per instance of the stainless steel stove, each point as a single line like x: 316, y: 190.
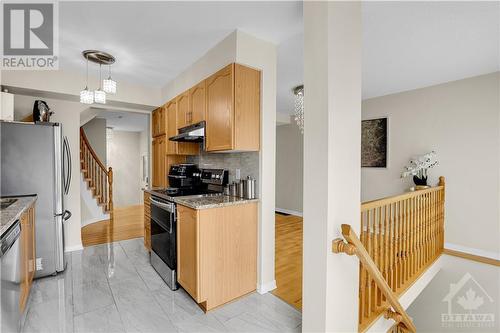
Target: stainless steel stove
x: 185, y: 179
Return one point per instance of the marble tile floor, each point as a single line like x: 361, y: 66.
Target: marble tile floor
x: 113, y: 288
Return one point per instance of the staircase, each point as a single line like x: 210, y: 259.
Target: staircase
x: 98, y: 178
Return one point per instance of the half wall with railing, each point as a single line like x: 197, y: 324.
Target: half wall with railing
x: 402, y: 236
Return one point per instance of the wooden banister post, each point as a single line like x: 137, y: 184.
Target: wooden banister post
x: 110, y: 192
x: 441, y: 181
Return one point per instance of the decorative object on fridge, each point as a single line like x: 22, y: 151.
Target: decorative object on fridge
x: 374, y: 143
x: 418, y: 166
x: 41, y: 111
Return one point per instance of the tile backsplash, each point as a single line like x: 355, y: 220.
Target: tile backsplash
x: 247, y: 162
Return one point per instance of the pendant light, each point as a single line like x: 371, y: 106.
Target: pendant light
x: 99, y: 94
x: 299, y: 107
x: 105, y: 86
x: 86, y: 96
x: 109, y: 85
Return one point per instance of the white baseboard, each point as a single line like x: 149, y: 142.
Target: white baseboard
x: 78, y: 247
x: 477, y: 252
x: 266, y: 287
x: 288, y: 211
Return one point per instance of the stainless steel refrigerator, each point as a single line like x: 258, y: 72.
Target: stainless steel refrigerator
x: 36, y: 159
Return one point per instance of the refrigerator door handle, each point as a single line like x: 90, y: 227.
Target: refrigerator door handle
x: 67, y: 157
x: 66, y: 215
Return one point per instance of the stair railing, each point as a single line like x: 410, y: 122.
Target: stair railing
x: 98, y: 178
x: 400, y: 238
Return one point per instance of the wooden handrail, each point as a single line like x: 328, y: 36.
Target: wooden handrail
x: 91, y: 150
x: 403, y: 235
x: 405, y: 196
x: 354, y: 246
x: 99, y: 179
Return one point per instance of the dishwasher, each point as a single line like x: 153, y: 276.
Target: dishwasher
x: 10, y: 271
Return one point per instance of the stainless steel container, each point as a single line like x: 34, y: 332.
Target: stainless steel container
x: 249, y: 188
x: 240, y: 191
x: 233, y: 190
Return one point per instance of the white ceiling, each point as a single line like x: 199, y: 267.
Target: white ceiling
x: 125, y: 121
x: 406, y: 45
x: 153, y: 42
x: 409, y: 45
x: 290, y: 71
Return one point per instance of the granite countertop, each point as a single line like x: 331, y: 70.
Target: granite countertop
x: 205, y: 201
x: 202, y: 201
x: 12, y: 213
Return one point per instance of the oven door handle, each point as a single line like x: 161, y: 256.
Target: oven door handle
x: 166, y: 206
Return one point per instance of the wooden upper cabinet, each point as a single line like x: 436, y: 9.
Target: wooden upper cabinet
x: 162, y: 121
x: 158, y: 122
x: 197, y: 103
x: 182, y: 109
x: 246, y: 108
x: 220, y: 112
x: 233, y: 109
x: 171, y: 110
x: 159, y: 161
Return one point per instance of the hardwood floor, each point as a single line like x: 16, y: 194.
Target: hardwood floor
x: 288, y: 259
x: 128, y: 223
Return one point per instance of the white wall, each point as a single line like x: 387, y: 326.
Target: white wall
x: 71, y: 83
x: 332, y: 142
x: 68, y: 114
x: 262, y: 55
x: 95, y: 130
x: 289, y: 168
x: 216, y: 58
x: 125, y: 159
x: 460, y: 120
x: 245, y: 49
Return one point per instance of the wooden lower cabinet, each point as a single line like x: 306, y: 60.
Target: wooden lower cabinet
x: 28, y: 262
x: 217, y: 253
x: 147, y: 222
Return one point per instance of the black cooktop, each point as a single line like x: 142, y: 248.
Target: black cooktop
x: 179, y: 192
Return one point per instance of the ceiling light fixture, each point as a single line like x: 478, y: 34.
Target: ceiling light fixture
x: 109, y: 85
x: 299, y: 107
x: 105, y: 86
x: 86, y: 96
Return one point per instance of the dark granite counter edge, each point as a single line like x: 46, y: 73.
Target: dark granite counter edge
x: 14, y: 211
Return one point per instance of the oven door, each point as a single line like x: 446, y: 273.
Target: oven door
x: 163, y: 231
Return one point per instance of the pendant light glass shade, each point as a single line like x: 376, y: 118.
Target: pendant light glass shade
x: 86, y: 96
x: 109, y: 85
x: 99, y: 94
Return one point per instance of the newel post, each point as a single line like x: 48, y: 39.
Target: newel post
x: 110, y: 191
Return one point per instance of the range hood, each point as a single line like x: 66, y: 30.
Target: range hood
x: 191, y: 133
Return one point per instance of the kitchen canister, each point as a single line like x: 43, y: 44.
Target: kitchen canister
x: 249, y: 188
x: 233, y: 190
x: 240, y: 191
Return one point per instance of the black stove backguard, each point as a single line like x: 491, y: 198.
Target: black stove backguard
x: 184, y: 176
